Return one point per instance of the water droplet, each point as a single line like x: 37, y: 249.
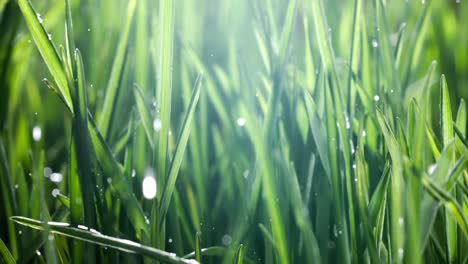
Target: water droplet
x: 49, y: 36
x: 133, y: 173
x: 39, y: 18
x: 240, y: 121
x: 400, y: 221
x: 400, y: 252
x: 47, y: 172
x: 376, y: 98
x: 20, y: 232
x: 169, y: 133
x: 89, y: 30
x: 37, y: 133
x: 431, y: 169
x: 246, y: 174
x: 363, y: 133
x: 375, y: 44
x: 157, y: 124
x: 83, y: 227
x: 423, y: 2
x: 109, y: 180
x: 51, y: 237
x: 55, y: 192
x: 169, y: 240
x: 354, y: 166
x: 16, y: 186
x: 227, y: 239
x: 56, y: 177
x: 355, y: 179
x: 149, y: 185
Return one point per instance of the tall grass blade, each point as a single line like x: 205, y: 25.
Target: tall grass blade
x: 6, y: 254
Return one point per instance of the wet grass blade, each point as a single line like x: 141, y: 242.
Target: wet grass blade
x: 239, y: 254
x: 93, y: 236
x: 6, y: 254
x: 46, y: 48
x: 178, y: 154
x: 198, y: 253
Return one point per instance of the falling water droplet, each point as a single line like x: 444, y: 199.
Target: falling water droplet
x: 37, y: 133
x: 149, y: 185
x: 241, y: 121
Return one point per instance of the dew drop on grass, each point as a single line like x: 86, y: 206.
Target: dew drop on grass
x: 83, y: 227
x: 51, y: 237
x: 149, y: 186
x: 133, y: 173
x: 89, y: 30
x: 375, y: 44
x: 246, y: 174
x: 47, y: 172
x: 49, y: 36
x: 56, y: 177
x: 20, y: 232
x: 39, y: 18
x: 431, y: 169
x: 109, y: 180
x: 376, y: 98
x: 16, y: 186
x: 400, y: 252
x: 241, y: 121
x: 157, y: 124
x: 227, y: 239
x: 55, y: 192
x: 37, y: 133
x: 401, y: 221
x: 354, y: 166
x: 169, y: 240
x: 363, y: 133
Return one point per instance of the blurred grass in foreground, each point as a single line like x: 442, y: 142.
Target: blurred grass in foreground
x: 233, y: 131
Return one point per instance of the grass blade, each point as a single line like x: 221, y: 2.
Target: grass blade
x: 93, y: 236
x: 178, y: 154
x: 6, y: 254
x: 144, y: 114
x: 47, y: 49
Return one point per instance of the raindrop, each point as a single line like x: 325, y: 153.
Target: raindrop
x: 240, y: 121
x: 37, y: 133
x: 400, y: 221
x: 47, y: 172
x: 354, y: 166
x: 20, y: 232
x: 431, y: 169
x: 39, y: 18
x: 157, y: 124
x: 56, y: 177
x: 363, y: 133
x: 55, y: 192
x: 149, y: 186
x: 246, y: 173
x: 227, y: 239
x: 355, y: 179
x: 109, y: 180
x: 375, y: 44
x: 169, y: 240
x: 89, y: 30
x: 49, y: 36
x: 169, y: 133
x: 376, y: 98
x: 133, y: 173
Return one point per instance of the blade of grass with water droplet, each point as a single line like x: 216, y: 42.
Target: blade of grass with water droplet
x: 178, y: 155
x: 396, y: 187
x: 103, y: 240
x: 47, y: 49
x: 112, y: 169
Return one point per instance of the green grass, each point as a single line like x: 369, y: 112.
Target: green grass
x: 266, y: 131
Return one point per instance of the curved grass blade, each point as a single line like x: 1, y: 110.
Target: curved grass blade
x: 178, y: 155
x: 46, y: 49
x: 209, y: 251
x: 112, y: 168
x: 6, y: 254
x: 92, y: 236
